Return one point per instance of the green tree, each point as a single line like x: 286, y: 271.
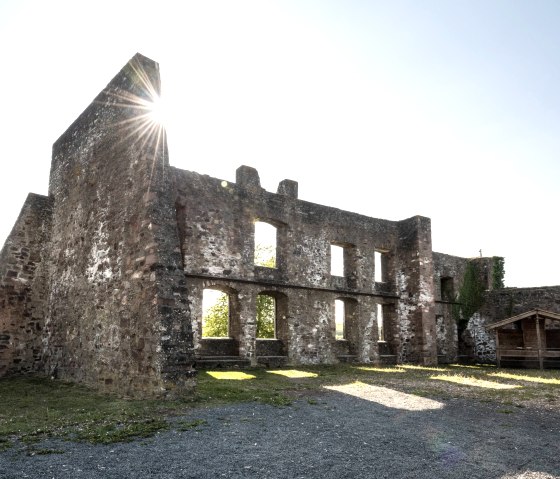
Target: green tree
x: 266, y: 304
x: 266, y: 315
x: 215, y: 322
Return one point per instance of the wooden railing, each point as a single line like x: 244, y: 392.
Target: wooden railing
x: 521, y: 354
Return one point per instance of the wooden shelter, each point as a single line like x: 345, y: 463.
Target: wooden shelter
x: 528, y: 339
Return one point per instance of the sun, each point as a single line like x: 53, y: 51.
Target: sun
x: 142, y: 114
x: 157, y: 111
x: 147, y: 108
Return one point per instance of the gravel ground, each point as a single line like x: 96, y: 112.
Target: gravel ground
x: 335, y: 435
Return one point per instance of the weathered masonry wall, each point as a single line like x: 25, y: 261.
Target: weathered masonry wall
x: 117, y: 316
x: 102, y: 281
x: 22, y: 288
x: 415, y: 309
x: 448, y: 276
x: 216, y: 223
x: 502, y: 304
x: 509, y: 302
x: 475, y: 343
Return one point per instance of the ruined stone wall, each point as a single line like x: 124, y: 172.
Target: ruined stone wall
x: 305, y: 327
x: 475, y: 343
x: 507, y: 302
x: 478, y: 344
x: 216, y: 223
x: 22, y: 288
x: 117, y: 316
x: 218, y: 219
x: 102, y: 281
x: 448, y: 277
x: 415, y: 276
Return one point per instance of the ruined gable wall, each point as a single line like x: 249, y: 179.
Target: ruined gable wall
x: 117, y: 317
x: 22, y: 288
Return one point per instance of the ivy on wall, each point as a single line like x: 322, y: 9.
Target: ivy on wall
x: 470, y: 297
x: 498, y: 272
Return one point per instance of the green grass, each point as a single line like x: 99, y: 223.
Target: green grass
x: 188, y: 425
x: 34, y: 409
x: 110, y: 432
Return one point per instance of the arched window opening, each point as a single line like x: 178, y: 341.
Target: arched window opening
x: 380, y: 327
x: 337, y: 260
x: 339, y: 319
x: 265, y: 244
x: 266, y: 316
x: 215, y: 314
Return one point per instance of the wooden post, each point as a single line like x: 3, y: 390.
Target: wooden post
x: 498, y: 358
x: 541, y: 365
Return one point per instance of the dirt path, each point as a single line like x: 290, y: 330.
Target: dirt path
x: 356, y: 433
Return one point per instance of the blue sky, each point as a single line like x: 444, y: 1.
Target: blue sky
x: 448, y: 109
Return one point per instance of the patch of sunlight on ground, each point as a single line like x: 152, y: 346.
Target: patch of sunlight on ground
x: 529, y: 475
x: 479, y: 383
x: 387, y: 397
x: 420, y: 368
x: 293, y: 373
x: 380, y: 370
x: 466, y: 366
x: 235, y: 375
x: 526, y: 378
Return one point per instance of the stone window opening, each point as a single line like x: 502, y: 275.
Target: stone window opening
x: 337, y: 260
x: 380, y: 266
x: 447, y: 292
x: 265, y: 244
x: 266, y: 316
x: 180, y: 218
x: 340, y: 319
x: 380, y: 323
x: 343, y: 263
x: 215, y: 313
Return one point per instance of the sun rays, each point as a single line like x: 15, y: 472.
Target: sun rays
x: 140, y: 113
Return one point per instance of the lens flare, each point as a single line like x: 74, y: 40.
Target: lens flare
x: 143, y: 115
x: 157, y: 111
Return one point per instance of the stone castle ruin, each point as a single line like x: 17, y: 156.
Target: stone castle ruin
x: 101, y: 281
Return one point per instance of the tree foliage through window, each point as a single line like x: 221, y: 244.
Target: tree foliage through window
x: 215, y: 322
x: 266, y: 316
